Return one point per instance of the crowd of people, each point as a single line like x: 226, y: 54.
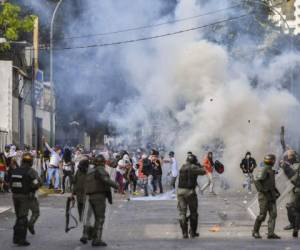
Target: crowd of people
x: 137, y: 172
x: 91, y: 175
x: 141, y: 171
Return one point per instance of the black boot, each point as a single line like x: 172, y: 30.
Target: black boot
x: 194, y: 227
x: 256, y: 235
x: 295, y: 233
x: 184, y: 228
x: 273, y: 236
x: 84, y: 238
x: 296, y: 225
x: 256, y: 228
x: 23, y: 243
x: 20, y: 231
x: 97, y: 241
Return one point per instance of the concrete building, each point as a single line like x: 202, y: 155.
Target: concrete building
x: 25, y: 105
x: 290, y: 11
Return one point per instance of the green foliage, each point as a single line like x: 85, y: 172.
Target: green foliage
x: 12, y: 25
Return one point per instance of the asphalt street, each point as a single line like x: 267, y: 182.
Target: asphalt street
x: 223, y: 222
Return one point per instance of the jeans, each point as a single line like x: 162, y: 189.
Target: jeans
x: 173, y: 182
x: 70, y: 175
x: 148, y: 184
x: 157, y: 182
x: 248, y: 181
x: 209, y: 184
x: 53, y: 172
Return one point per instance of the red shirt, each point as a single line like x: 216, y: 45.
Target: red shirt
x: 207, y: 165
x: 2, y: 167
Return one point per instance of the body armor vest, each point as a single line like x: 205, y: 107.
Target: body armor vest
x: 186, y: 178
x: 264, y: 179
x: 94, y: 184
x: 20, y: 181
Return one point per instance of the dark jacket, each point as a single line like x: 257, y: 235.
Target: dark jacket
x: 157, y: 170
x: 188, y: 175
x: 248, y: 165
x: 147, y: 167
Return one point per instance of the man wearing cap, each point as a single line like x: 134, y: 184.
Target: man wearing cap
x: 264, y: 180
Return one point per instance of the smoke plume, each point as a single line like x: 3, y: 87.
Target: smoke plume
x: 195, y: 91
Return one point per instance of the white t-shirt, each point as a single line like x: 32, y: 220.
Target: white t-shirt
x: 174, y: 167
x: 54, y: 157
x: 121, y: 168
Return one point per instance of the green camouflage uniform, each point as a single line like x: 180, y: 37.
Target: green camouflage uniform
x: 98, y: 184
x: 187, y: 198
x: 34, y: 205
x: 79, y: 191
x: 24, y: 181
x: 264, y: 180
x: 293, y: 173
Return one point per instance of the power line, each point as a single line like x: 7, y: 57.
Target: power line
x: 149, y: 26
x: 152, y: 37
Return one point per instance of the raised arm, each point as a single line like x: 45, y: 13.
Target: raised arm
x: 47, y: 145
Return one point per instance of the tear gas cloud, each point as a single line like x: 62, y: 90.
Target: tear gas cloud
x: 194, y: 93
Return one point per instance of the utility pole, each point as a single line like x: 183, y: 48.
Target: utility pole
x: 52, y: 134
x: 35, y: 67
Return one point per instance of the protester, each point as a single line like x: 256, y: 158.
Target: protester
x: 248, y: 165
x: 53, y: 169
x: 68, y: 169
x: 147, y: 171
x: 157, y: 171
x: 123, y: 164
x: 173, y: 171
x: 208, y: 164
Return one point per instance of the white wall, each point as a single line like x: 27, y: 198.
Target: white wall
x: 6, y: 77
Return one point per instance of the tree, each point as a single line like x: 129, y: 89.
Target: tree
x: 12, y: 25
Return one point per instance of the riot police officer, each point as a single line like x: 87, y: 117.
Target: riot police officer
x: 79, y: 185
x: 24, y: 181
x: 291, y: 168
x: 264, y: 180
x: 187, y: 197
x: 98, y: 189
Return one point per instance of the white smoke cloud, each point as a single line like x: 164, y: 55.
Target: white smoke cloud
x: 193, y: 91
x: 209, y: 94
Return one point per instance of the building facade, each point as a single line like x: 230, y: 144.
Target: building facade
x: 24, y: 100
x: 290, y: 11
